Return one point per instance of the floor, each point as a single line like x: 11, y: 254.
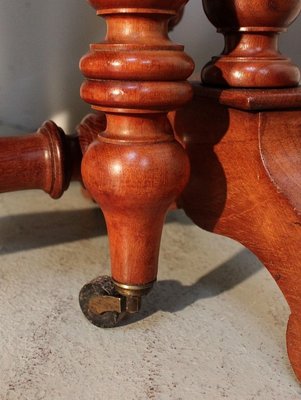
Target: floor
x: 213, y: 328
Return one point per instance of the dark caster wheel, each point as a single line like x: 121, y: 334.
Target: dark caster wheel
x: 100, y: 302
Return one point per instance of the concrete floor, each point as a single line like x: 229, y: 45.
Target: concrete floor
x: 213, y: 328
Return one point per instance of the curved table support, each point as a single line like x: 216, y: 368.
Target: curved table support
x: 245, y: 181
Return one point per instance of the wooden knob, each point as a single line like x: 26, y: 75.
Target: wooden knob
x: 251, y: 57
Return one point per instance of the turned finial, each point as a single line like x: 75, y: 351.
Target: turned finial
x: 251, y: 57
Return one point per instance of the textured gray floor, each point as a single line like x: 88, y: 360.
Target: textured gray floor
x: 213, y: 328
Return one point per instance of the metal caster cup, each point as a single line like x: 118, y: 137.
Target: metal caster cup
x: 105, y: 302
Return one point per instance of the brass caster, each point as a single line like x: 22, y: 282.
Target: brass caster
x: 105, y: 302
x: 101, y: 304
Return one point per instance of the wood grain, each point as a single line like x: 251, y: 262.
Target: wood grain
x: 47, y: 159
x: 245, y: 184
x: 136, y: 169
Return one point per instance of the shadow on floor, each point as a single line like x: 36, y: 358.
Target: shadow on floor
x: 30, y: 231
x: 37, y: 230
x: 171, y: 296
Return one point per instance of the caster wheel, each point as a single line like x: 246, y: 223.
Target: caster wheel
x: 101, y: 304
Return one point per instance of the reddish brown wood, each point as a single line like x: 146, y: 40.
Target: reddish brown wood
x: 47, y: 159
x: 245, y: 182
x: 136, y: 169
x: 280, y: 145
x: 254, y: 99
x: 89, y: 128
x: 35, y: 161
x: 251, y: 57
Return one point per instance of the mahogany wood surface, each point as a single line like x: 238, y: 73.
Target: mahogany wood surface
x: 245, y: 184
x: 136, y: 169
x: 47, y: 159
x: 253, y: 99
x: 251, y: 57
x: 243, y: 145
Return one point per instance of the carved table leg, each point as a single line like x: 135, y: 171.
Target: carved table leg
x: 136, y: 168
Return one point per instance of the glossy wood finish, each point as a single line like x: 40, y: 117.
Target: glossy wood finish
x: 88, y: 129
x: 280, y: 144
x: 36, y: 161
x: 243, y: 144
x: 47, y: 159
x: 251, y: 57
x: 245, y: 181
x: 136, y: 169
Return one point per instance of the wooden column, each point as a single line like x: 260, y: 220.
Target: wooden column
x: 136, y: 168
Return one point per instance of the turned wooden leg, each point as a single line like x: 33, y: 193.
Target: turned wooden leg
x: 47, y: 159
x: 246, y: 180
x: 135, y: 169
